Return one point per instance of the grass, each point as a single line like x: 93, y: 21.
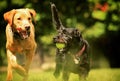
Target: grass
x: 94, y: 75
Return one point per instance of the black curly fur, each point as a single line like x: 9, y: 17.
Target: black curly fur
x: 76, y: 48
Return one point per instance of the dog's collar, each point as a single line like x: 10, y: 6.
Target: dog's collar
x: 81, y: 51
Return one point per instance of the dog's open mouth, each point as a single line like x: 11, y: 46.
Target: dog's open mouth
x: 24, y: 34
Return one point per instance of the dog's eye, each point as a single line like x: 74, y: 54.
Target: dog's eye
x: 19, y: 18
x: 64, y: 31
x: 29, y: 18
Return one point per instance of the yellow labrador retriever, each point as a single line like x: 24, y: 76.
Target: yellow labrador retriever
x: 20, y: 40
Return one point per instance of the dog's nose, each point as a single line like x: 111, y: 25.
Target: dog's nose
x: 27, y: 28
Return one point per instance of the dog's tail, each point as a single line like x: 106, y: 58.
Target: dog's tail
x: 55, y: 17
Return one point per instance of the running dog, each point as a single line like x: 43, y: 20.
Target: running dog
x: 20, y: 41
x: 72, y: 54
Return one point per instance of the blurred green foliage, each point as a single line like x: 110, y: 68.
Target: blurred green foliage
x: 98, y: 20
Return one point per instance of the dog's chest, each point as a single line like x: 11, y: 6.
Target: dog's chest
x: 20, y: 46
x: 17, y: 49
x: 74, y: 46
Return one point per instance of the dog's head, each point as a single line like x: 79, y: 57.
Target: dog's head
x: 21, y: 21
x: 68, y: 36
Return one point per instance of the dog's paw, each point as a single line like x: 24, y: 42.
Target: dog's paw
x: 56, y: 74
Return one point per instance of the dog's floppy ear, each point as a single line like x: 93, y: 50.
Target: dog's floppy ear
x: 8, y: 16
x: 55, y: 17
x: 33, y: 13
x: 77, y: 33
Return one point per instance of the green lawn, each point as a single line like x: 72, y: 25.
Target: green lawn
x: 94, y: 75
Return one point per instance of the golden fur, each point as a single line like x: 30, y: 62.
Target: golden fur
x: 20, y: 22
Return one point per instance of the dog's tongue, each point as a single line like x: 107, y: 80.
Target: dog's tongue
x: 24, y: 34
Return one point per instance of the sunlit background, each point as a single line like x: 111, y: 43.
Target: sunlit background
x: 98, y: 20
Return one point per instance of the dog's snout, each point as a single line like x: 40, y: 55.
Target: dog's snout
x: 27, y: 28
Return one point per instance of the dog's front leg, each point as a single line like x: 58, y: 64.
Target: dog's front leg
x: 65, y: 75
x: 82, y: 77
x: 29, y: 57
x: 60, y: 57
x: 12, y: 64
x: 9, y: 70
